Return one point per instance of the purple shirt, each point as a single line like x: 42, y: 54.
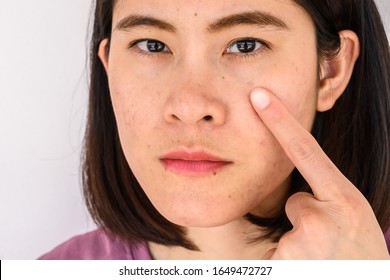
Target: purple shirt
x: 98, y: 245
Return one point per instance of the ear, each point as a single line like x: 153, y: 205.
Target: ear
x: 103, y: 53
x: 336, y: 71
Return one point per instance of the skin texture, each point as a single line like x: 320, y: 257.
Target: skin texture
x: 195, y: 96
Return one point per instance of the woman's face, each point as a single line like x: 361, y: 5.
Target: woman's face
x: 180, y: 75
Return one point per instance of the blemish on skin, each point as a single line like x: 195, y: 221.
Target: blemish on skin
x: 230, y: 196
x: 250, y: 83
x: 223, y: 77
x: 214, y: 173
x: 196, y: 14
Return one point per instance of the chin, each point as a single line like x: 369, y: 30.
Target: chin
x: 204, y: 217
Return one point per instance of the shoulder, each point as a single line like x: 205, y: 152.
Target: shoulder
x: 98, y: 245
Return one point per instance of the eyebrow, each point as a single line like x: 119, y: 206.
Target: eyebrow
x: 132, y: 21
x: 258, y: 18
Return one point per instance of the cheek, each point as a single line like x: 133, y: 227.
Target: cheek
x: 133, y: 106
x: 133, y: 99
x: 294, y: 83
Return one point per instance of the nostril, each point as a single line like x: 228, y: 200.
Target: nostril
x: 174, y: 117
x: 208, y: 118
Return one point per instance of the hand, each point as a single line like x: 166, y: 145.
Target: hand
x: 336, y: 222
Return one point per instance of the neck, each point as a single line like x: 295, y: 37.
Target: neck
x: 231, y: 241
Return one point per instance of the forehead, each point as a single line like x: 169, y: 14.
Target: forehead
x: 204, y: 12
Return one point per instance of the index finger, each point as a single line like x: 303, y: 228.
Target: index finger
x: 324, y: 178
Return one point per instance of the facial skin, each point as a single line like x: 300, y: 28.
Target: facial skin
x: 194, y: 96
x: 198, y: 119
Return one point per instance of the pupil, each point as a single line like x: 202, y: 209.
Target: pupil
x: 246, y: 46
x: 155, y: 46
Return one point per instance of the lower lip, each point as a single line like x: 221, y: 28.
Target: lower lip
x: 194, y: 168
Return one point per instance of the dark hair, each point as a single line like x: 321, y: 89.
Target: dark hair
x: 354, y: 133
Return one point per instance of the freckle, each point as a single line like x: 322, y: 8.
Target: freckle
x: 214, y: 173
x: 196, y: 14
x: 230, y: 196
x: 223, y: 77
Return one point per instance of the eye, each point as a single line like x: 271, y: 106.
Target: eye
x: 149, y: 45
x: 245, y: 46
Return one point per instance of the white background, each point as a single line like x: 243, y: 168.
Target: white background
x: 43, y: 99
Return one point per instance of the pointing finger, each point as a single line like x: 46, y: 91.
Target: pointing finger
x: 326, y: 181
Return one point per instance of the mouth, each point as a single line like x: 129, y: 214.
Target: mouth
x: 193, y: 164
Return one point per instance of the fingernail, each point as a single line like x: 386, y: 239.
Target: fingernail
x: 260, y: 99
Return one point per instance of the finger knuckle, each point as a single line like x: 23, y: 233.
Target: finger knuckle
x: 309, y: 221
x: 302, y: 149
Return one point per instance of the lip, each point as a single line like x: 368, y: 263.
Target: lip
x: 193, y: 163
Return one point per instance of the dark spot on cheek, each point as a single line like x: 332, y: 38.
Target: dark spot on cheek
x: 230, y: 196
x: 196, y: 14
x: 223, y: 77
x: 250, y: 83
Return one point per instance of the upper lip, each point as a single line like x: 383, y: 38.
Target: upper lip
x: 193, y: 156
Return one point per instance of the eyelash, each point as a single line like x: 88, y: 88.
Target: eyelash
x: 134, y: 44
x: 263, y: 46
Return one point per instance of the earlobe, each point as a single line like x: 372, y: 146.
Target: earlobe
x: 336, y: 71
x: 103, y: 53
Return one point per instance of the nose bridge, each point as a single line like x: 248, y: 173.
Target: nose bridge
x: 194, y: 71
x: 193, y: 94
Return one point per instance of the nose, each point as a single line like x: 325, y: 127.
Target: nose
x: 194, y: 99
